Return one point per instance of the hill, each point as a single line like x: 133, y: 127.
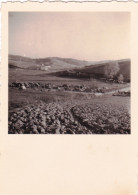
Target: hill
x: 51, y: 64
x: 99, y: 69
x: 107, y: 69
x: 21, y: 62
x: 69, y: 67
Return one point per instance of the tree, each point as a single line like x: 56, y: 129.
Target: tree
x: 111, y: 70
x: 120, y: 78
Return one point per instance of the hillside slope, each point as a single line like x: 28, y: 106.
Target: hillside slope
x: 50, y: 63
x: 99, y: 69
x: 71, y: 67
x: 21, y: 62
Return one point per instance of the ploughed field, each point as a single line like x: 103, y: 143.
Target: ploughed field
x: 60, y: 112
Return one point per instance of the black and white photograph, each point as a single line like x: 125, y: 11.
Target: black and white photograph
x: 69, y: 72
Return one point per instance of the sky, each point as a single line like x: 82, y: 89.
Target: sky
x: 92, y: 36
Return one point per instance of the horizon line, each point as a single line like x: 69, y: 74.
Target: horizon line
x: 127, y: 58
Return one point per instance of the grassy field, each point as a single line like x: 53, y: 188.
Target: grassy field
x: 24, y: 75
x: 30, y: 96
x: 18, y: 98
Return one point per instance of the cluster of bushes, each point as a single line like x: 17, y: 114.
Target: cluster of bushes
x: 122, y: 93
x: 62, y: 87
x: 74, y: 74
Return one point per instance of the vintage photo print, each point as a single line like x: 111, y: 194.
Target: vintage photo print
x: 69, y: 72
x: 69, y: 68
